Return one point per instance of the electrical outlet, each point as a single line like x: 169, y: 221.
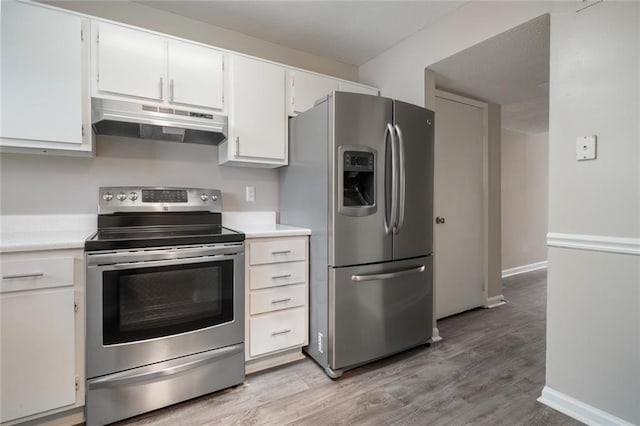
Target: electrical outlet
x: 251, y: 193
x: 586, y: 148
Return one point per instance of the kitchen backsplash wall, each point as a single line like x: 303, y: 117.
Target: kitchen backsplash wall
x: 44, y: 184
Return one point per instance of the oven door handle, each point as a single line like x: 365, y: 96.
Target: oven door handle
x: 126, y: 378
x: 127, y: 257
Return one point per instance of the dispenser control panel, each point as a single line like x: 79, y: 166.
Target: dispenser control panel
x: 358, y: 161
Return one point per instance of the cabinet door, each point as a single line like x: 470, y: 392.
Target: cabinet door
x: 38, y: 351
x: 344, y: 86
x: 307, y: 88
x: 258, y: 118
x: 130, y: 62
x: 42, y: 74
x: 195, y: 75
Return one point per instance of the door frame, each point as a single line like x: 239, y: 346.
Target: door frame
x: 485, y: 196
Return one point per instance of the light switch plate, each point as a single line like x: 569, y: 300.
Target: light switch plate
x: 586, y: 148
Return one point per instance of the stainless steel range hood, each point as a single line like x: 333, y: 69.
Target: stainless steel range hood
x: 136, y: 120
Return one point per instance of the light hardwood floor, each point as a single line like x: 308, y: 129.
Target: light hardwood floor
x: 488, y: 370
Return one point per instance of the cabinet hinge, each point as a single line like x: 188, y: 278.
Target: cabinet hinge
x: 75, y: 306
x: 83, y: 130
x: 77, y: 384
x: 222, y: 66
x: 81, y: 34
x: 98, y: 37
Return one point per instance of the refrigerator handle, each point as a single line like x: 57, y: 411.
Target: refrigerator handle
x: 402, y: 192
x: 390, y: 223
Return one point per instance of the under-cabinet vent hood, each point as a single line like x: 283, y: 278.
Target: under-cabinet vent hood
x: 136, y: 120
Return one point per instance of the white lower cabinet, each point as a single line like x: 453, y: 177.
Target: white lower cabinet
x: 42, y: 335
x: 277, y: 307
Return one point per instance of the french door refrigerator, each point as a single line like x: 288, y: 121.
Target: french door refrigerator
x: 360, y: 176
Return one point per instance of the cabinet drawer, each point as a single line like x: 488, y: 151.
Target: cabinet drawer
x: 34, y: 274
x: 277, y: 251
x: 278, y: 274
x: 277, y: 298
x: 277, y: 330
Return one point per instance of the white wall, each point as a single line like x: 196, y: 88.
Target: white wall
x: 524, y: 198
x: 593, y: 312
x: 593, y: 330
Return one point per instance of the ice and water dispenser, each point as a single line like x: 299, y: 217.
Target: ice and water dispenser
x: 358, y: 183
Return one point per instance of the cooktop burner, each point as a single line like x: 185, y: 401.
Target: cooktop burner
x: 142, y: 217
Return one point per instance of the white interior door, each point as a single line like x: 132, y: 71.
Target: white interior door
x: 459, y: 200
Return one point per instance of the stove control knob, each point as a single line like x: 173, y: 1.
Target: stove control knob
x: 133, y: 196
x: 214, y: 198
x: 107, y: 196
x: 121, y: 196
x: 204, y: 197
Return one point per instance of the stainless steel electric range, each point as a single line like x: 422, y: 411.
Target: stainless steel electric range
x: 164, y: 299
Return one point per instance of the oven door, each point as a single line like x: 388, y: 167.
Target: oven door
x: 153, y: 305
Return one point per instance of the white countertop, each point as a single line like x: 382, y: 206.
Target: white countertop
x: 45, y: 232
x: 54, y: 232
x: 260, y: 225
x: 42, y: 240
x: 271, y: 230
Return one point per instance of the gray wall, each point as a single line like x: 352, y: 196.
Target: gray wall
x: 593, y: 311
x: 593, y: 328
x: 525, y: 167
x: 35, y: 184
x: 40, y: 184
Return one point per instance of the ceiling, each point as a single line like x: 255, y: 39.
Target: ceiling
x: 511, y: 69
x: 352, y: 32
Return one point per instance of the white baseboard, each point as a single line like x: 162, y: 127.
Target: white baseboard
x: 580, y: 411
x: 435, y: 336
x: 524, y: 268
x: 595, y: 243
x: 494, y: 302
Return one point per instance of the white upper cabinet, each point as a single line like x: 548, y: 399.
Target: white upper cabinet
x: 345, y: 86
x: 304, y: 89
x: 129, y: 62
x: 135, y: 64
x: 195, y: 75
x: 257, y: 114
x: 45, y: 97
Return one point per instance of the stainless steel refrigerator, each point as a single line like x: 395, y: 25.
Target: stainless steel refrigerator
x: 360, y: 175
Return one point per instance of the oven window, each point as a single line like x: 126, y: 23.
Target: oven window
x: 144, y: 303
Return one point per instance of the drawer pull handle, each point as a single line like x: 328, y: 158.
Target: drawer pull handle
x: 281, y: 252
x: 276, y: 333
x: 16, y: 276
x: 286, y: 299
x: 275, y: 277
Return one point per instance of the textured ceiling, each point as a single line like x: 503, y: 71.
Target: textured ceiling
x: 352, y: 32
x: 511, y: 69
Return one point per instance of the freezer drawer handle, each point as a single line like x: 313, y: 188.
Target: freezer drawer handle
x: 126, y: 378
x: 389, y: 275
x: 281, y: 252
x: 276, y: 333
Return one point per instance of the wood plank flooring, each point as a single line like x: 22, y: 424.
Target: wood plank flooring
x: 488, y: 370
